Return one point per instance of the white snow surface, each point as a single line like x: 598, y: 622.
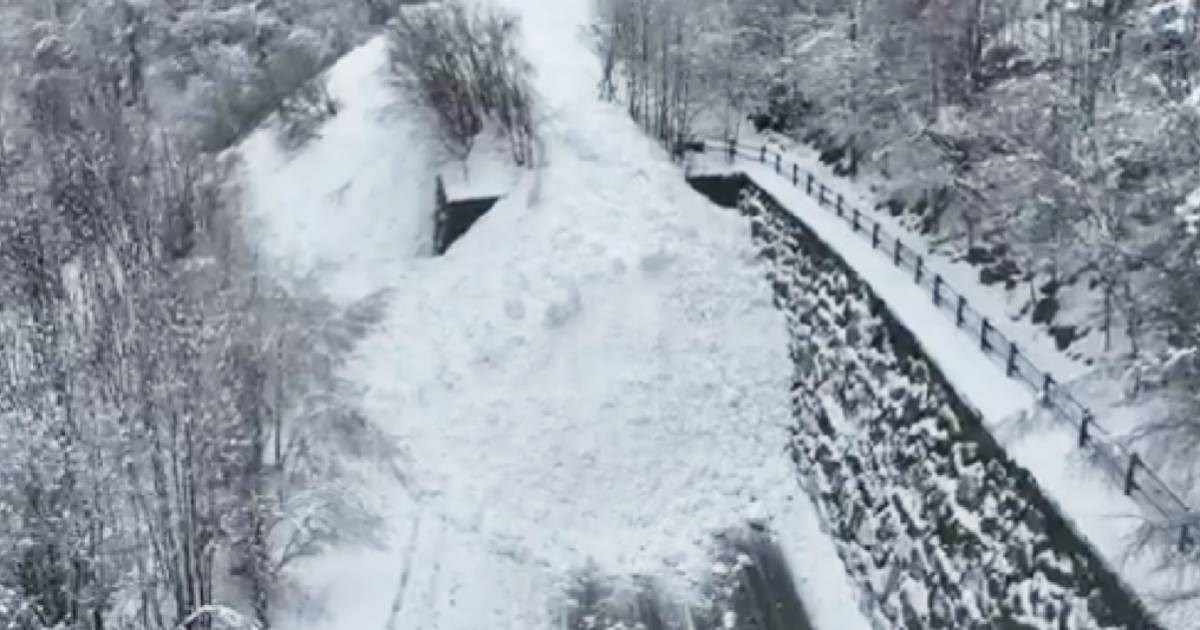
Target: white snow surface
x: 594, y: 374
x: 487, y: 172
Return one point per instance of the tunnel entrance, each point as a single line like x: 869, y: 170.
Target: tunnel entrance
x: 455, y: 214
x: 722, y: 190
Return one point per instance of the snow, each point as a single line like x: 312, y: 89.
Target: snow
x: 594, y: 375
x: 1189, y: 211
x: 1084, y: 494
x: 1172, y: 17
x: 487, y: 172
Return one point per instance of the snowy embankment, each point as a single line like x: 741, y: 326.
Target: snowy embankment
x: 1086, y: 496
x: 594, y: 377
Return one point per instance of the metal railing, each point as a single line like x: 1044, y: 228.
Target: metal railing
x: 1122, y: 465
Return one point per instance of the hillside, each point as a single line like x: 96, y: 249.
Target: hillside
x: 340, y: 315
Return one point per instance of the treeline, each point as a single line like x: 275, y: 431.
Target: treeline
x: 1054, y: 144
x: 173, y: 431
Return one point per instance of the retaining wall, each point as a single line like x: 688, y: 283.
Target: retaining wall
x: 929, y: 515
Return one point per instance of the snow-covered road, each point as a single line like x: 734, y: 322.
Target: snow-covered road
x: 594, y: 377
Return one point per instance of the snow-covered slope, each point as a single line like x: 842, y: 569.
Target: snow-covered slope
x: 594, y: 375
x: 346, y: 204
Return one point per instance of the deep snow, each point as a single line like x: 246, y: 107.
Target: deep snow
x: 595, y: 375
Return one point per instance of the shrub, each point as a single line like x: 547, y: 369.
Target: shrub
x: 465, y: 65
x: 303, y: 112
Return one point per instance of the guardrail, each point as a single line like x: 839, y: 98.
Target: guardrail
x: 1122, y: 465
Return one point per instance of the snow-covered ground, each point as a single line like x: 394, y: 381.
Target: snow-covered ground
x: 594, y: 376
x: 1086, y: 496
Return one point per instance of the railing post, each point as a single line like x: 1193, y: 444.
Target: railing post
x: 875, y: 237
x: 937, y: 290
x: 821, y: 195
x: 854, y: 221
x: 896, y: 253
x: 1130, y: 483
x: 808, y: 187
x: 1083, y: 428
x: 920, y: 265
x: 1185, y: 539
x: 958, y: 312
x: 778, y: 163
x: 983, y: 331
x: 795, y: 174
x: 1047, y: 384
x: 732, y: 150
x: 1011, y: 365
x: 839, y: 205
x: 762, y: 154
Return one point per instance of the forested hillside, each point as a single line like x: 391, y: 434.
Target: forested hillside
x: 172, y: 431
x: 1060, y: 136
